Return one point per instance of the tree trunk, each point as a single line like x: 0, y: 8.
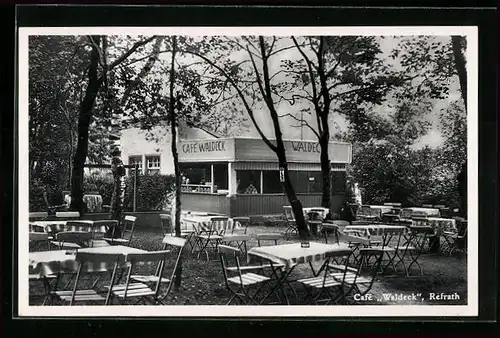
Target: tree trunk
x: 175, y: 155
x: 325, y: 133
x: 85, y: 116
x: 118, y: 197
x: 462, y: 76
x: 295, y: 203
x: 460, y: 66
x: 325, y: 173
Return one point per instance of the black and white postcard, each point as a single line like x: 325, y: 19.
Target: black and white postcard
x: 248, y: 171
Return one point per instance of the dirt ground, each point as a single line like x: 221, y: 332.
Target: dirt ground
x: 203, y: 282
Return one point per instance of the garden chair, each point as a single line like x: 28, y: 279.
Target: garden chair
x: 42, y: 238
x: 67, y: 215
x: 38, y: 216
x: 73, y: 239
x: 39, y: 237
x: 354, y: 280
x: 169, y: 230
x: 175, y: 246
x: 90, y: 263
x: 127, y: 232
x: 290, y: 222
x: 268, y: 237
x: 325, y: 284
x: 139, y: 290
x: 210, y: 237
x: 100, y: 229
x: 414, y: 247
x: 456, y: 240
x: 238, y: 233
x: 243, y: 282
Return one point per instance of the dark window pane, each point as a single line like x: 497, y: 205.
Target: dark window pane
x: 248, y: 181
x: 272, y: 183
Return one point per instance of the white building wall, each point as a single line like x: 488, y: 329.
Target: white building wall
x: 137, y: 142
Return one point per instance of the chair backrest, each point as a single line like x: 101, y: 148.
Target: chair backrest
x: 96, y: 262
x: 241, y: 223
x: 38, y: 216
x: 219, y: 224
x: 128, y: 227
x: 419, y: 221
x: 68, y: 214
x: 226, y: 251
x: 37, y: 237
x: 156, y: 257
x: 101, y: 227
x: 81, y: 238
x: 366, y: 260
x: 268, y: 237
x: 78, y: 226
x: 166, y: 224
x: 288, y: 213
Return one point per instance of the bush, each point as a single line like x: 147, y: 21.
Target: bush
x: 395, y: 172
x: 153, y: 192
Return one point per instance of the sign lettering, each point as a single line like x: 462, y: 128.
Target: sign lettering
x: 204, y: 147
x: 306, y: 147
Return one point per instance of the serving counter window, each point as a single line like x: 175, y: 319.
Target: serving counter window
x: 248, y: 182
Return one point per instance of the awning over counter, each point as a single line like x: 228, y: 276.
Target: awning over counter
x: 291, y: 166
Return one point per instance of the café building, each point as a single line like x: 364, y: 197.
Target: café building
x: 241, y: 176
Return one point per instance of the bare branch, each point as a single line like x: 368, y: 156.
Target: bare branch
x: 241, y: 95
x: 302, y: 122
x: 125, y: 55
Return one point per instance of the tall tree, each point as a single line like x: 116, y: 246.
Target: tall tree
x: 97, y: 76
x: 332, y: 71
x: 258, y: 51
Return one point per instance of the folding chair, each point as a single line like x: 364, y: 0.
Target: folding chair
x: 330, y: 228
x: 268, y: 237
x: 324, y: 283
x: 126, y: 234
x: 142, y: 291
x: 90, y: 262
x: 67, y: 215
x: 73, y: 239
x: 211, y: 237
x: 168, y: 229
x: 456, y: 240
x: 174, y: 245
x: 414, y: 247
x: 241, y: 284
x: 290, y: 221
x: 354, y: 280
x: 38, y: 216
x: 240, y: 224
x: 100, y: 230
x: 43, y: 238
x: 37, y: 237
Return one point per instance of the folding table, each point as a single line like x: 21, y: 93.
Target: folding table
x: 57, y: 262
x: 290, y: 255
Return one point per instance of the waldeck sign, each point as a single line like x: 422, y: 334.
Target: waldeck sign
x: 246, y: 149
x: 204, y: 147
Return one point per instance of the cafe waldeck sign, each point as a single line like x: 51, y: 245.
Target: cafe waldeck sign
x: 254, y: 149
x: 204, y: 147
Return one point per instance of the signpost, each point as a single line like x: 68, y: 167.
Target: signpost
x: 282, y: 175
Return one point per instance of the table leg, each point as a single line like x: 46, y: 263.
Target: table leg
x: 280, y: 281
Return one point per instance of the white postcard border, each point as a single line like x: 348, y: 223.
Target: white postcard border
x: 471, y: 309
